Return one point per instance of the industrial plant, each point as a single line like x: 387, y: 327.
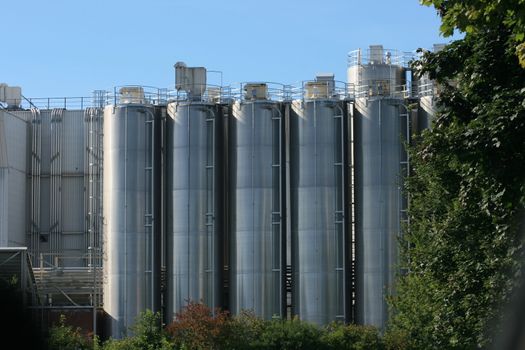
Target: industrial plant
x: 285, y: 200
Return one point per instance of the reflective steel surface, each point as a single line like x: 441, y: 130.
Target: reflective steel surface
x: 191, y: 188
x: 380, y: 128
x: 256, y: 229
x: 317, y: 210
x: 128, y: 207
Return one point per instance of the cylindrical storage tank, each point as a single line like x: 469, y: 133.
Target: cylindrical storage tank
x: 131, y: 173
x: 256, y: 208
x: 426, y: 108
x: 426, y: 111
x: 381, y: 125
x: 193, y: 216
x: 317, y: 177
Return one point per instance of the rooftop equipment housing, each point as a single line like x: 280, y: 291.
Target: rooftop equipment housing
x: 11, y: 95
x: 192, y: 80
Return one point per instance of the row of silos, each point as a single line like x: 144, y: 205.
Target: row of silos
x: 256, y: 188
x: 227, y: 184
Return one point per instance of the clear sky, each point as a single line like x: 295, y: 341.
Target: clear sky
x: 54, y: 48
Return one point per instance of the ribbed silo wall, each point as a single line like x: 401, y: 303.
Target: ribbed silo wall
x: 193, y: 208
x: 318, y: 232
x: 131, y: 215
x: 256, y: 212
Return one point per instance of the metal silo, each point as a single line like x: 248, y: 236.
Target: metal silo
x: 193, y: 223
x: 380, y: 125
x: 256, y: 204
x: 426, y: 108
x: 130, y: 209
x: 318, y: 223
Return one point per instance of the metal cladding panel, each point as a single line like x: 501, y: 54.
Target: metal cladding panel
x: 73, y: 147
x: 378, y: 155
x: 73, y: 215
x: 255, y: 215
x: 317, y: 210
x: 128, y: 284
x: 17, y: 208
x: 15, y: 141
x: 73, y: 242
x: 194, y: 270
x: 13, y: 148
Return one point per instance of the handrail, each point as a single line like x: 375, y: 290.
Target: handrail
x: 386, y: 56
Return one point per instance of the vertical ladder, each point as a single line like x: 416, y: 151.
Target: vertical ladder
x: 404, y: 167
x: 210, y: 269
x: 277, y: 261
x: 339, y: 214
x: 149, y: 215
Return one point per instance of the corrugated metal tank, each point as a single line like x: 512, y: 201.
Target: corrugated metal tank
x: 193, y: 211
x: 256, y: 208
x: 130, y: 214
x: 317, y: 209
x: 380, y: 127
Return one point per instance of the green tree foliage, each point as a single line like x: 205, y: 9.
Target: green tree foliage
x: 64, y: 337
x: 467, y: 190
x: 288, y: 335
x: 475, y: 16
x: 147, y: 335
x: 244, y: 330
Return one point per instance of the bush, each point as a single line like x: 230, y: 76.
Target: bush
x: 63, y: 337
x: 199, y: 327
x: 294, y: 334
x: 147, y: 335
x: 244, y: 330
x: 352, y: 337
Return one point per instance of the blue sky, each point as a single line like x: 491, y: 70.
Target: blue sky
x: 70, y: 47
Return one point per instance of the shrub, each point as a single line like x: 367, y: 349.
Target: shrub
x: 199, y: 327
x: 352, y: 337
x: 63, y: 337
x: 294, y: 334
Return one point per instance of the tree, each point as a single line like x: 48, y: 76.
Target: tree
x: 463, y: 248
x: 475, y: 16
x: 147, y: 335
x: 288, y: 335
x: 64, y: 337
x: 352, y: 337
x: 199, y: 327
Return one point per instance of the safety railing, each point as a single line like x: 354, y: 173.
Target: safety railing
x: 247, y: 91
x: 136, y: 94
x: 61, y: 261
x: 44, y: 103
x: 314, y: 89
x: 201, y: 93
x: 380, y: 56
x: 384, y: 88
x: 425, y: 87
